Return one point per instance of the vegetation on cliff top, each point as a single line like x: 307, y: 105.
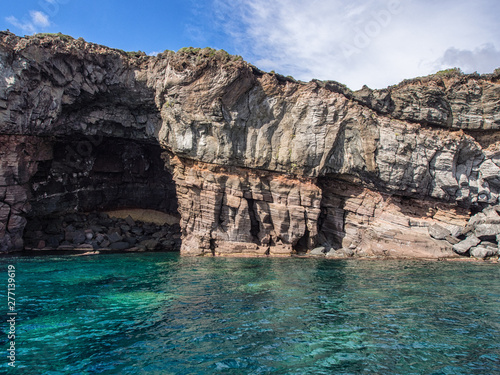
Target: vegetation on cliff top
x: 60, y: 35
x: 222, y: 55
x: 209, y: 52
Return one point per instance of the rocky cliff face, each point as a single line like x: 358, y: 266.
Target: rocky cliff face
x: 261, y: 164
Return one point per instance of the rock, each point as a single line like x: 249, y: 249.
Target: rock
x: 124, y: 228
x: 137, y: 231
x: 452, y: 240
x: 340, y: 253
x: 53, y: 242
x: 119, y: 245
x: 131, y: 240
x: 252, y: 161
x: 318, y: 251
x: 438, y: 232
x: 97, y: 228
x: 149, y: 244
x: 487, y: 231
x: 114, y: 229
x: 105, y: 244
x: 79, y: 237
x: 160, y: 234
x: 114, y: 237
x: 89, y: 234
x: 483, y: 251
x: 53, y: 228
x: 100, y: 237
x: 130, y: 222
x: 463, y: 246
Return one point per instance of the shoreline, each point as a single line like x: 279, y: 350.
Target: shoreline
x: 87, y: 252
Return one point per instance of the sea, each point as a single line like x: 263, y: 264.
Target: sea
x: 161, y: 313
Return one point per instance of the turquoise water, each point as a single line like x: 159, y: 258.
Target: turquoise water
x: 160, y: 313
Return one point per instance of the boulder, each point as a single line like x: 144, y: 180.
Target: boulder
x: 100, y: 238
x: 340, y: 253
x: 53, y: 242
x: 137, y: 231
x: 105, y: 243
x: 463, y: 246
x: 149, y: 244
x: 89, y: 234
x: 319, y: 251
x: 452, y: 240
x: 121, y: 245
x: 130, y: 222
x: 487, y: 231
x: 79, y: 237
x: 483, y: 251
x: 114, y: 237
x: 438, y: 232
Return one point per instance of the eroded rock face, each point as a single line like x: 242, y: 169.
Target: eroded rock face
x: 263, y: 164
x: 242, y: 211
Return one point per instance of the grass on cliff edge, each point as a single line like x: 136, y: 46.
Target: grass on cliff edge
x: 64, y: 37
x: 209, y: 52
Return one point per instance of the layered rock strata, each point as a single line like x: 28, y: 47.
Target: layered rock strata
x: 262, y: 164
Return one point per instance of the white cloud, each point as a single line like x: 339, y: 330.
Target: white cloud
x: 483, y: 59
x: 36, y: 21
x: 373, y: 42
x: 39, y: 18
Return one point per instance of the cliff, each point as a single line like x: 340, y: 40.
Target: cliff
x: 256, y: 163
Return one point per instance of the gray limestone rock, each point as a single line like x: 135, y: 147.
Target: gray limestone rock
x: 463, y: 246
x: 438, y: 232
x: 318, y: 251
x: 487, y: 231
x: 340, y: 253
x: 452, y: 240
x: 483, y: 251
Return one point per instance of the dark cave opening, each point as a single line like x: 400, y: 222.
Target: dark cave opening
x: 302, y: 244
x: 73, y: 194
x: 254, y: 222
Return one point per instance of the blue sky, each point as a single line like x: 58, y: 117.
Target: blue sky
x: 373, y: 42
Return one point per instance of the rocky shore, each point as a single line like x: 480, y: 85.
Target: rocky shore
x: 99, y: 232
x: 253, y: 162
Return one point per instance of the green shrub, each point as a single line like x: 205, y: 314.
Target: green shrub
x: 449, y: 72
x: 54, y: 35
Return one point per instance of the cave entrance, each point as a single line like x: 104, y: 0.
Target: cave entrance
x: 103, y: 193
x: 302, y: 244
